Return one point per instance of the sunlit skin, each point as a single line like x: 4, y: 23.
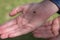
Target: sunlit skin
x: 32, y: 17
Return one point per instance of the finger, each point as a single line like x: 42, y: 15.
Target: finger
x: 5, y: 33
x: 14, y: 33
x: 21, y: 31
x: 16, y: 10
x: 19, y: 9
x: 4, y: 36
x: 9, y: 29
x: 8, y: 24
x: 55, y: 27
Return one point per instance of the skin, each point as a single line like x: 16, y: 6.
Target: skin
x: 50, y: 30
x: 34, y: 18
x: 56, y: 37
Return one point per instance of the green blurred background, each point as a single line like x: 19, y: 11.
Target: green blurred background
x: 7, y: 5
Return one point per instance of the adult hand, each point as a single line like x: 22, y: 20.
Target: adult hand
x: 34, y: 15
x: 48, y: 30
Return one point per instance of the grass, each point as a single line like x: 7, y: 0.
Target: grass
x: 7, y: 5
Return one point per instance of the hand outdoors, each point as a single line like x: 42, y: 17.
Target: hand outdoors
x: 48, y: 30
x: 20, y: 25
x: 33, y: 16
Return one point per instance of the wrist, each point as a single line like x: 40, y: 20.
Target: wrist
x: 48, y: 7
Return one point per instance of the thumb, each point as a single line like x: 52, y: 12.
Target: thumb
x: 16, y: 10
